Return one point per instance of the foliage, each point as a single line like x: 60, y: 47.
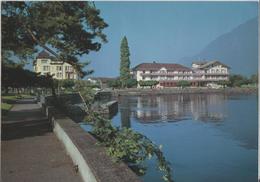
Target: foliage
x: 15, y: 76
x: 67, y: 83
x: 130, y: 83
x: 124, y: 63
x: 72, y: 29
x: 86, y: 90
x: 122, y: 144
x: 237, y: 80
x: 128, y: 146
x: 254, y: 79
x: 183, y: 83
x: 148, y: 83
x: 114, y: 83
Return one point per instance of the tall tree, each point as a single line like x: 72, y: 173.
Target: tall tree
x: 125, y: 62
x: 66, y: 29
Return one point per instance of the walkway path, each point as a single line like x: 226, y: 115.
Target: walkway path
x: 30, y: 151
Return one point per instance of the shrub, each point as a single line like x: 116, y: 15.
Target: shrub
x: 238, y: 80
x: 148, y: 83
x: 130, y: 83
x: 128, y: 146
x: 114, y: 83
x: 183, y: 84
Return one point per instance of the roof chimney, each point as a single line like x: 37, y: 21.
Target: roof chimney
x: 154, y: 62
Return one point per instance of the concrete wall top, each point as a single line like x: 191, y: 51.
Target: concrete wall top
x: 100, y: 164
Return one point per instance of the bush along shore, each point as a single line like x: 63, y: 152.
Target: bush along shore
x: 201, y: 90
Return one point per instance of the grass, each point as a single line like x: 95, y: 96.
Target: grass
x: 9, y: 99
x: 5, y: 108
x: 12, y: 97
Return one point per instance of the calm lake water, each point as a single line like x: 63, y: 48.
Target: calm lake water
x: 207, y: 138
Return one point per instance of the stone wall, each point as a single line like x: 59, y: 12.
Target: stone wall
x: 90, y: 159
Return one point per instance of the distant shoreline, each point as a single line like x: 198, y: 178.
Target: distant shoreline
x: 146, y: 92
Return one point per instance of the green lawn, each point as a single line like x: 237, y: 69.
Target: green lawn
x: 9, y: 97
x: 5, y: 108
x: 14, y: 97
x: 7, y: 101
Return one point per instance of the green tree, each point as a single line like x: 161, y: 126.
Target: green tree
x: 130, y: 83
x: 14, y: 76
x: 183, y: 84
x: 148, y: 83
x: 254, y: 79
x: 72, y: 29
x: 238, y: 80
x: 124, y: 63
x: 114, y: 83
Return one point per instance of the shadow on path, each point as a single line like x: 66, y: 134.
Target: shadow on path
x: 25, y: 129
x: 25, y: 120
x: 30, y: 151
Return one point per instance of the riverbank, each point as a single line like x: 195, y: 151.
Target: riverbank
x: 143, y: 92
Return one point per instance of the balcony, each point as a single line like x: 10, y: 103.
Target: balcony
x: 166, y: 74
x: 180, y: 74
x: 194, y: 79
x: 209, y: 79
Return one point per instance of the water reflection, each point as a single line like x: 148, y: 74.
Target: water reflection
x: 217, y: 135
x: 173, y: 108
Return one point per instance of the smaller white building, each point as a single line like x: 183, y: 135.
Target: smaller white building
x: 211, y: 71
x: 46, y: 64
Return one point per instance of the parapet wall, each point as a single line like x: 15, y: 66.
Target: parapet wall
x: 199, y: 90
x: 90, y: 159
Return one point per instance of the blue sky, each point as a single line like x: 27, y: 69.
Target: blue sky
x: 163, y: 31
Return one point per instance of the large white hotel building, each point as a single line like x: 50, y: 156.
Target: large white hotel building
x: 168, y: 75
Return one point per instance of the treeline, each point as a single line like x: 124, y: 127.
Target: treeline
x: 240, y: 80
x: 16, y: 77
x: 117, y: 83
x: 235, y: 80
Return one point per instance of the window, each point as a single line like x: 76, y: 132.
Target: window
x: 58, y: 68
x: 59, y: 75
x: 46, y: 68
x: 68, y: 68
x: 44, y: 61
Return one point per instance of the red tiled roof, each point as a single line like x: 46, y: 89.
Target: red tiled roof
x: 212, y: 62
x: 43, y: 54
x: 158, y: 66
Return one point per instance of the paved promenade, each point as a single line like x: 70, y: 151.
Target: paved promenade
x: 30, y: 152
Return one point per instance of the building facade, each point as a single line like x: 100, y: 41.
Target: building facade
x: 168, y: 75
x: 46, y: 64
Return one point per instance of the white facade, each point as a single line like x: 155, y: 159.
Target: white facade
x: 169, y: 75
x: 211, y: 71
x: 59, y: 70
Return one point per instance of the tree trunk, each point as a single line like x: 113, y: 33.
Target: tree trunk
x: 6, y: 90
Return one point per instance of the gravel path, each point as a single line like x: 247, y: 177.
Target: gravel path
x: 30, y: 152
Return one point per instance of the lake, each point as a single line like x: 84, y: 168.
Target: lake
x: 206, y: 137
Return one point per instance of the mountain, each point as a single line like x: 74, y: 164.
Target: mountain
x: 238, y: 49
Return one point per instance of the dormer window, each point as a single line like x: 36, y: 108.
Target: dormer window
x: 163, y: 70
x: 44, y: 61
